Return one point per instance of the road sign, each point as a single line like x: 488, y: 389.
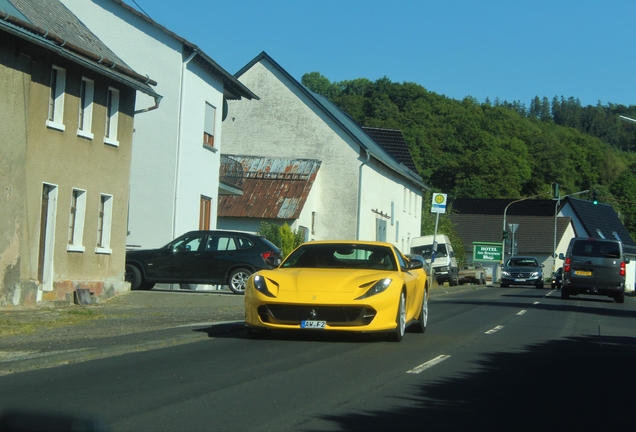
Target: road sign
x: 487, y: 252
x: 438, y: 204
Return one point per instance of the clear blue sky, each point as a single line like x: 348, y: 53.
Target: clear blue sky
x: 511, y: 49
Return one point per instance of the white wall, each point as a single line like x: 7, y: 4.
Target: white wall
x: 281, y: 124
x: 286, y: 123
x: 164, y: 196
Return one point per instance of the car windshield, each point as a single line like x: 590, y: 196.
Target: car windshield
x: 344, y: 256
x: 522, y: 262
x: 427, y: 251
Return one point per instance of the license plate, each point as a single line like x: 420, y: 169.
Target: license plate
x: 582, y: 273
x: 309, y: 324
x: 520, y: 280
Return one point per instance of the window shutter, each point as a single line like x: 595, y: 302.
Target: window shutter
x: 208, y: 125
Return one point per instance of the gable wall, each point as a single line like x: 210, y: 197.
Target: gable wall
x: 285, y: 124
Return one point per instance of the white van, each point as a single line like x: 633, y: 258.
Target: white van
x: 445, y: 264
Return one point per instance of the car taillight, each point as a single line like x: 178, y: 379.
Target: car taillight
x: 623, y: 268
x: 566, y: 266
x: 271, y: 258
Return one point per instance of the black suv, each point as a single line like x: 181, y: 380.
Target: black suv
x: 522, y: 270
x: 203, y: 257
x: 594, y: 266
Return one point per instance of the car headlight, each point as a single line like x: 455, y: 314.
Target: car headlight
x: 535, y: 274
x: 377, y: 288
x: 505, y: 273
x: 260, y: 285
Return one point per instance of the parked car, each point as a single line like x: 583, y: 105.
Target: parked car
x: 472, y: 273
x: 594, y: 266
x: 522, y: 270
x: 203, y: 257
x: 557, y: 278
x: 354, y: 286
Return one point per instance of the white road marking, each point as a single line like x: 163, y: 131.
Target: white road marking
x: 6, y: 356
x: 521, y: 312
x: 496, y: 329
x: 428, y: 364
x: 537, y: 302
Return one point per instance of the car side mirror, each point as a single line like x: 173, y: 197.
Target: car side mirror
x: 626, y: 260
x: 561, y: 256
x: 415, y: 264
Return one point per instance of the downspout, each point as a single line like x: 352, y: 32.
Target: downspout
x: 184, y: 66
x: 364, y: 162
x: 154, y: 107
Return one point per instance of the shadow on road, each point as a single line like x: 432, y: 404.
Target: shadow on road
x: 575, y: 384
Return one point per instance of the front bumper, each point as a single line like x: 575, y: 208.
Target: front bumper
x: 511, y: 280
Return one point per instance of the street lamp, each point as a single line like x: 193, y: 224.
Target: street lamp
x: 555, y: 224
x: 627, y: 119
x: 503, y: 242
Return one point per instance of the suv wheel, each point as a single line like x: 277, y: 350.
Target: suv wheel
x: 237, y: 280
x: 620, y: 298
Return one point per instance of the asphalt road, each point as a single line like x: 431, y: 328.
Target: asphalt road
x: 491, y: 359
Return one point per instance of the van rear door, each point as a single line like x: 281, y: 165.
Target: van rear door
x: 584, y: 263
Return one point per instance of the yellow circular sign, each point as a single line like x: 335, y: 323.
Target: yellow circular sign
x: 439, y: 199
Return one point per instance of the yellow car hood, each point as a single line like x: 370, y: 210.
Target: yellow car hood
x: 324, y: 280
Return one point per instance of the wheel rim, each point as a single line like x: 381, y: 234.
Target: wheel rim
x: 424, y: 314
x: 238, y: 281
x: 402, y: 315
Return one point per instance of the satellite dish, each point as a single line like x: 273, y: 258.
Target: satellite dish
x: 225, y: 109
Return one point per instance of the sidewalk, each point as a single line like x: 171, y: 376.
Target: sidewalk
x: 32, y: 338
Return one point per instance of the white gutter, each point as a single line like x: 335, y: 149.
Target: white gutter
x: 184, y: 66
x: 359, y: 218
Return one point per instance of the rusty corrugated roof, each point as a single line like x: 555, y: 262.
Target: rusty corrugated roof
x: 272, y: 188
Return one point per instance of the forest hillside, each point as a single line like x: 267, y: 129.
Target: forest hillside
x: 501, y: 149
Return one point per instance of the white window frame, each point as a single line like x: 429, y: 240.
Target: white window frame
x: 209, y: 126
x: 76, y: 221
x: 112, y: 114
x: 55, y: 119
x: 104, y: 224
x: 85, y: 115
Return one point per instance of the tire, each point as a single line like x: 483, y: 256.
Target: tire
x: 620, y: 298
x: 133, y: 275
x: 564, y: 294
x: 400, y: 320
x: 422, y: 321
x: 540, y: 286
x: 237, y: 280
x: 503, y: 285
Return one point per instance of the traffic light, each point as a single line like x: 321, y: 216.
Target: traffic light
x: 504, y: 236
x: 594, y: 197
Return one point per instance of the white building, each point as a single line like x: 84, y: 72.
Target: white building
x: 360, y: 191
x: 174, y: 181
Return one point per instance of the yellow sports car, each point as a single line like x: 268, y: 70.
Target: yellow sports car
x: 358, y: 286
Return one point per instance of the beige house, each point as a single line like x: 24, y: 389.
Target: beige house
x: 66, y: 114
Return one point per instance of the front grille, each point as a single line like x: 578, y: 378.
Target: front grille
x: 333, y: 315
x: 520, y: 274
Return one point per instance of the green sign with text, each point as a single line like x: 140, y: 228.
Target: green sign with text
x: 486, y: 252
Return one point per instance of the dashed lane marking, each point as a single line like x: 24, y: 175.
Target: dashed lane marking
x: 494, y: 330
x: 428, y: 364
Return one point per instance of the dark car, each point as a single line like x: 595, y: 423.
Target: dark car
x: 203, y: 257
x: 557, y: 278
x: 522, y: 270
x: 594, y: 266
